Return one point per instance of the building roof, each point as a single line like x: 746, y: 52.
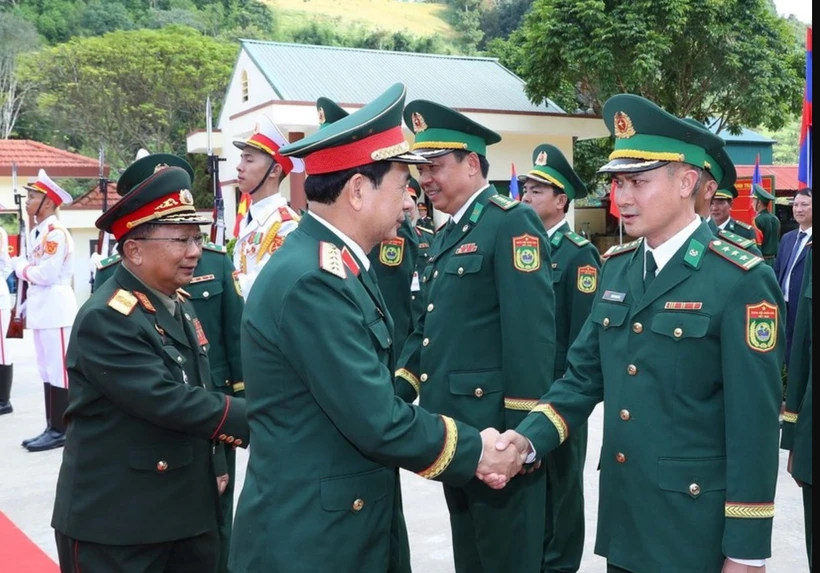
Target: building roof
x: 93, y: 199
x: 303, y: 73
x: 785, y: 176
x: 745, y: 135
x: 31, y: 156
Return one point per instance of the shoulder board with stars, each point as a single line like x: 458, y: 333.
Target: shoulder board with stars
x: 123, y: 302
x: 105, y: 263
x: 741, y: 242
x: 330, y: 260
x: 504, y: 202
x: 743, y: 224
x: 209, y: 246
x: 425, y: 230
x: 743, y: 259
x: 621, y: 249
x: 576, y: 238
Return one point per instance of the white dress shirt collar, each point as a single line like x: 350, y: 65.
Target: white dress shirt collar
x: 664, y: 253
x: 460, y: 213
x: 551, y: 231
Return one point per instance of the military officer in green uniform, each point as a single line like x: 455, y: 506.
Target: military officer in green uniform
x: 217, y: 300
x: 425, y: 235
x: 328, y: 429
x: 721, y: 213
x: 797, y: 419
x: 485, y: 344
x: 138, y: 488
x: 549, y: 187
x: 766, y: 222
x: 683, y: 345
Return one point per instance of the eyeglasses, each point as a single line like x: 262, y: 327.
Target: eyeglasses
x: 197, y: 240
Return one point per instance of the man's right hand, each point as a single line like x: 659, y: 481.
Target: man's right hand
x: 499, y: 462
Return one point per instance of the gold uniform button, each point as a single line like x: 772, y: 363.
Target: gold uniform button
x: 631, y: 369
x: 678, y: 332
x: 425, y: 342
x: 206, y: 294
x: 620, y: 458
x: 694, y: 489
x: 237, y: 442
x: 423, y: 378
x: 637, y: 328
x: 625, y: 415
x: 162, y: 465
x: 358, y: 504
x: 430, y: 307
x: 413, y: 297
x: 606, y: 321
x: 478, y: 392
x: 460, y: 271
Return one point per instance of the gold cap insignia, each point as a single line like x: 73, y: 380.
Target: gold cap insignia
x: 185, y: 197
x: 418, y: 122
x: 623, y: 126
x: 160, y: 167
x: 321, y: 116
x: 541, y: 160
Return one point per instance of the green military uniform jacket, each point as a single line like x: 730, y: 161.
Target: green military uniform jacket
x: 745, y: 230
x: 218, y: 302
x: 327, y: 427
x: 689, y: 373
x: 425, y: 240
x: 395, y: 262
x: 797, y: 419
x: 575, y: 267
x: 769, y: 225
x: 738, y: 239
x: 485, y: 345
x: 138, y: 466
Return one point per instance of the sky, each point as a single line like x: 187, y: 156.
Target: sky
x: 800, y: 8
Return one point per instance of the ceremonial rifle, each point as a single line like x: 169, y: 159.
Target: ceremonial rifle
x: 17, y: 322
x: 218, y: 226
x: 103, y: 238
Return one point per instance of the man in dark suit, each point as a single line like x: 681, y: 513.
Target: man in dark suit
x: 791, y: 258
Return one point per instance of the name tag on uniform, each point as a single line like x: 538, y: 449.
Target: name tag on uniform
x: 614, y: 296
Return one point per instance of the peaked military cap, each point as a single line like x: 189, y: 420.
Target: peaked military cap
x: 717, y: 162
x: 440, y: 130
x: 728, y: 193
x: 648, y: 137
x: 758, y: 192
x: 414, y: 187
x: 370, y: 134
x: 45, y: 185
x: 145, y: 165
x: 552, y: 168
x: 163, y: 197
x: 329, y: 111
x: 267, y: 138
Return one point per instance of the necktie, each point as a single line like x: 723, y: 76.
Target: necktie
x: 793, y: 256
x: 651, y: 267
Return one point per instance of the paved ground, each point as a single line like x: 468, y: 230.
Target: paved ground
x: 28, y: 480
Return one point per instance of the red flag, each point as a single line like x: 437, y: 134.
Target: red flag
x: 613, y: 206
x: 241, y: 211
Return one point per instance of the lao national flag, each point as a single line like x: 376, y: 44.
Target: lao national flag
x: 514, y: 194
x: 804, y: 169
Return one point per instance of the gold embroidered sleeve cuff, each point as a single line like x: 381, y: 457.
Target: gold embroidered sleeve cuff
x: 520, y: 404
x: 790, y: 417
x: 556, y: 419
x: 238, y: 387
x: 749, y: 510
x: 448, y: 451
x: 410, y: 378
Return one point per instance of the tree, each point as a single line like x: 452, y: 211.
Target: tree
x: 131, y: 89
x: 16, y: 37
x: 734, y: 60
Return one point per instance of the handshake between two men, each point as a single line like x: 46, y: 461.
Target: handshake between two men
x: 504, y: 456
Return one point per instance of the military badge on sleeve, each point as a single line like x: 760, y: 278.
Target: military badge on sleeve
x: 391, y: 252
x: 587, y: 279
x: 526, y: 253
x: 761, y: 326
x: 51, y: 247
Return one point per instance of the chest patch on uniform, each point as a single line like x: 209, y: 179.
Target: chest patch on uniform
x: 202, y: 279
x: 587, y: 279
x: 683, y: 305
x: 201, y: 339
x: 466, y: 248
x: 526, y: 253
x: 424, y: 245
x: 614, y: 296
x: 123, y: 302
x: 761, y: 326
x: 391, y: 253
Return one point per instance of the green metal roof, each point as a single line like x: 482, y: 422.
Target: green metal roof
x: 299, y: 72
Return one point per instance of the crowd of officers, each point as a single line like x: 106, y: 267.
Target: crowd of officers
x: 317, y: 340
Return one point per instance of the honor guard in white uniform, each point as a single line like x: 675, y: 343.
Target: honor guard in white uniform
x: 269, y: 219
x: 50, y: 306
x: 5, y: 314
